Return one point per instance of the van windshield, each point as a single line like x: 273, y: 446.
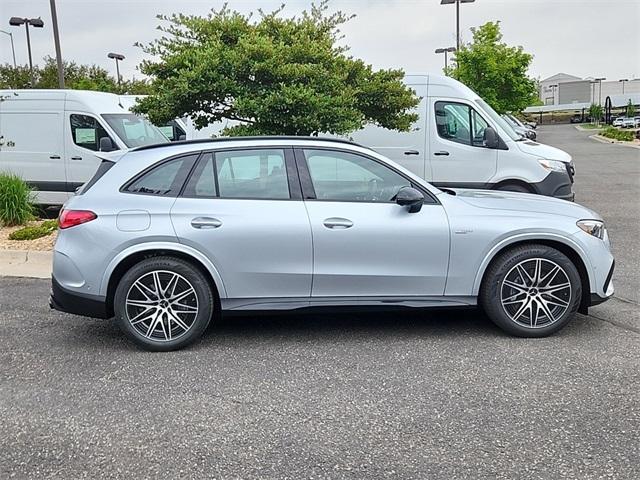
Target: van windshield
x: 508, y: 129
x: 133, y: 130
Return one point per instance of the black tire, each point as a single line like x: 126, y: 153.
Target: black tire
x: 513, y: 187
x: 204, y: 303
x: 491, y: 290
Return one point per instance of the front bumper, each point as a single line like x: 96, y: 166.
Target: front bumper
x: 557, y: 184
x: 66, y: 301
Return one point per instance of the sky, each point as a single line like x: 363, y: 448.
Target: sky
x: 586, y: 38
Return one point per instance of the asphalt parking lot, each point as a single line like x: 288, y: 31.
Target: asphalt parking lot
x: 408, y: 395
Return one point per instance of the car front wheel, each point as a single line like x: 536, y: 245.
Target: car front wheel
x: 163, y: 303
x: 531, y: 291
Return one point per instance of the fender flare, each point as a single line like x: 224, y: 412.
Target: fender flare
x: 533, y: 237
x: 168, y: 246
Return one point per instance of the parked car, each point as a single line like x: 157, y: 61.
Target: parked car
x: 531, y: 124
x: 167, y: 237
x: 460, y: 141
x: 628, y: 122
x: 50, y: 138
x: 578, y: 118
x: 618, y: 122
x: 520, y: 127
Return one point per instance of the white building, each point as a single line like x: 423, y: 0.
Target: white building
x: 564, y: 89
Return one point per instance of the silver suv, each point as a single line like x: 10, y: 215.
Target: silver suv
x: 167, y: 237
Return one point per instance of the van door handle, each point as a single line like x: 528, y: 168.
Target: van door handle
x: 76, y: 158
x: 412, y: 152
x: 54, y: 157
x: 205, y: 223
x: 337, y: 223
x: 441, y: 153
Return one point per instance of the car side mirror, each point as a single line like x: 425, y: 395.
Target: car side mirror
x: 410, y: 197
x: 106, y: 145
x: 491, y: 139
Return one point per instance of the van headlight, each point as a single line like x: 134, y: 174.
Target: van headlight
x: 593, y: 227
x: 552, y: 165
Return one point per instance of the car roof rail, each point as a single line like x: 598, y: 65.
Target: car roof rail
x: 236, y: 139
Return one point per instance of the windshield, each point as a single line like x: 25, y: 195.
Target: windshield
x: 501, y: 122
x: 133, y: 130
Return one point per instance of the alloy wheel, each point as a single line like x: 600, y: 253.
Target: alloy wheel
x: 535, y: 293
x: 161, y: 305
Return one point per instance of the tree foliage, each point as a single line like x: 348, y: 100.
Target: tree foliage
x: 630, y: 109
x: 77, y: 76
x: 595, y: 112
x: 272, y: 75
x: 496, y: 71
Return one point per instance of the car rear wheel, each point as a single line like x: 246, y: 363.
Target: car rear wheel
x: 531, y: 291
x: 163, y: 303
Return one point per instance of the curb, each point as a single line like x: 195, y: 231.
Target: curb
x: 25, y: 263
x: 601, y: 139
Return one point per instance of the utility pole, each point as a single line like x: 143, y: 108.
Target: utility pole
x: 117, y: 57
x: 457, y: 2
x: 56, y: 40
x: 446, y: 58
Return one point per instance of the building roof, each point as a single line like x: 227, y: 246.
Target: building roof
x: 561, y: 76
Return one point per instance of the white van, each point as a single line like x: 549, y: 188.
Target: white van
x: 460, y: 141
x: 50, y: 137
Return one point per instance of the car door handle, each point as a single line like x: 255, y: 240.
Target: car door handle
x: 54, y: 157
x: 441, y: 153
x: 205, y: 223
x: 412, y: 152
x: 337, y: 223
x: 76, y: 158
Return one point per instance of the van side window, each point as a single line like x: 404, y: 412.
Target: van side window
x: 460, y: 123
x: 86, y: 132
x: 165, y: 179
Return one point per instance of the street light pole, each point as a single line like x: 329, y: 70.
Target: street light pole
x: 599, y: 80
x: 457, y: 2
x: 34, y: 22
x: 623, y: 81
x: 553, y: 93
x: 446, y: 58
x: 56, y: 40
x: 117, y: 57
x: 13, y: 48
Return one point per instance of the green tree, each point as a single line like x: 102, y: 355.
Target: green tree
x: 595, y: 112
x: 274, y: 75
x: 496, y: 71
x: 77, y: 76
x: 631, y: 109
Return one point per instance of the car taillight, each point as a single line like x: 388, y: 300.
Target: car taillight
x: 71, y: 218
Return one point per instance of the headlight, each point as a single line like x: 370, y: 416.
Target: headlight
x: 553, y: 165
x: 593, y: 227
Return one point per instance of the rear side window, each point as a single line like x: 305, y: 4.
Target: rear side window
x: 165, y: 179
x: 257, y: 174
x: 86, y: 132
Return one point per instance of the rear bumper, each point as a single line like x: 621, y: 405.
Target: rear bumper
x: 66, y: 301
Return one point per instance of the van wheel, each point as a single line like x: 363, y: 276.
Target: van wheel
x: 531, y: 291
x: 513, y: 187
x: 163, y: 303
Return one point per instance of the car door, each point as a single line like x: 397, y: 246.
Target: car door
x: 458, y: 154
x: 83, y: 133
x: 364, y: 244
x: 244, y: 210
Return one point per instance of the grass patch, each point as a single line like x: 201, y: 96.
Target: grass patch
x: 16, y: 200
x: 591, y: 126
x: 36, y: 231
x: 616, y: 134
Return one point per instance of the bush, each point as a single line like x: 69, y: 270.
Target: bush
x: 31, y: 233
x: 16, y: 200
x: 616, y: 134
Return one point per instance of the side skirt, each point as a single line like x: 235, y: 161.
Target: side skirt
x: 252, y: 304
